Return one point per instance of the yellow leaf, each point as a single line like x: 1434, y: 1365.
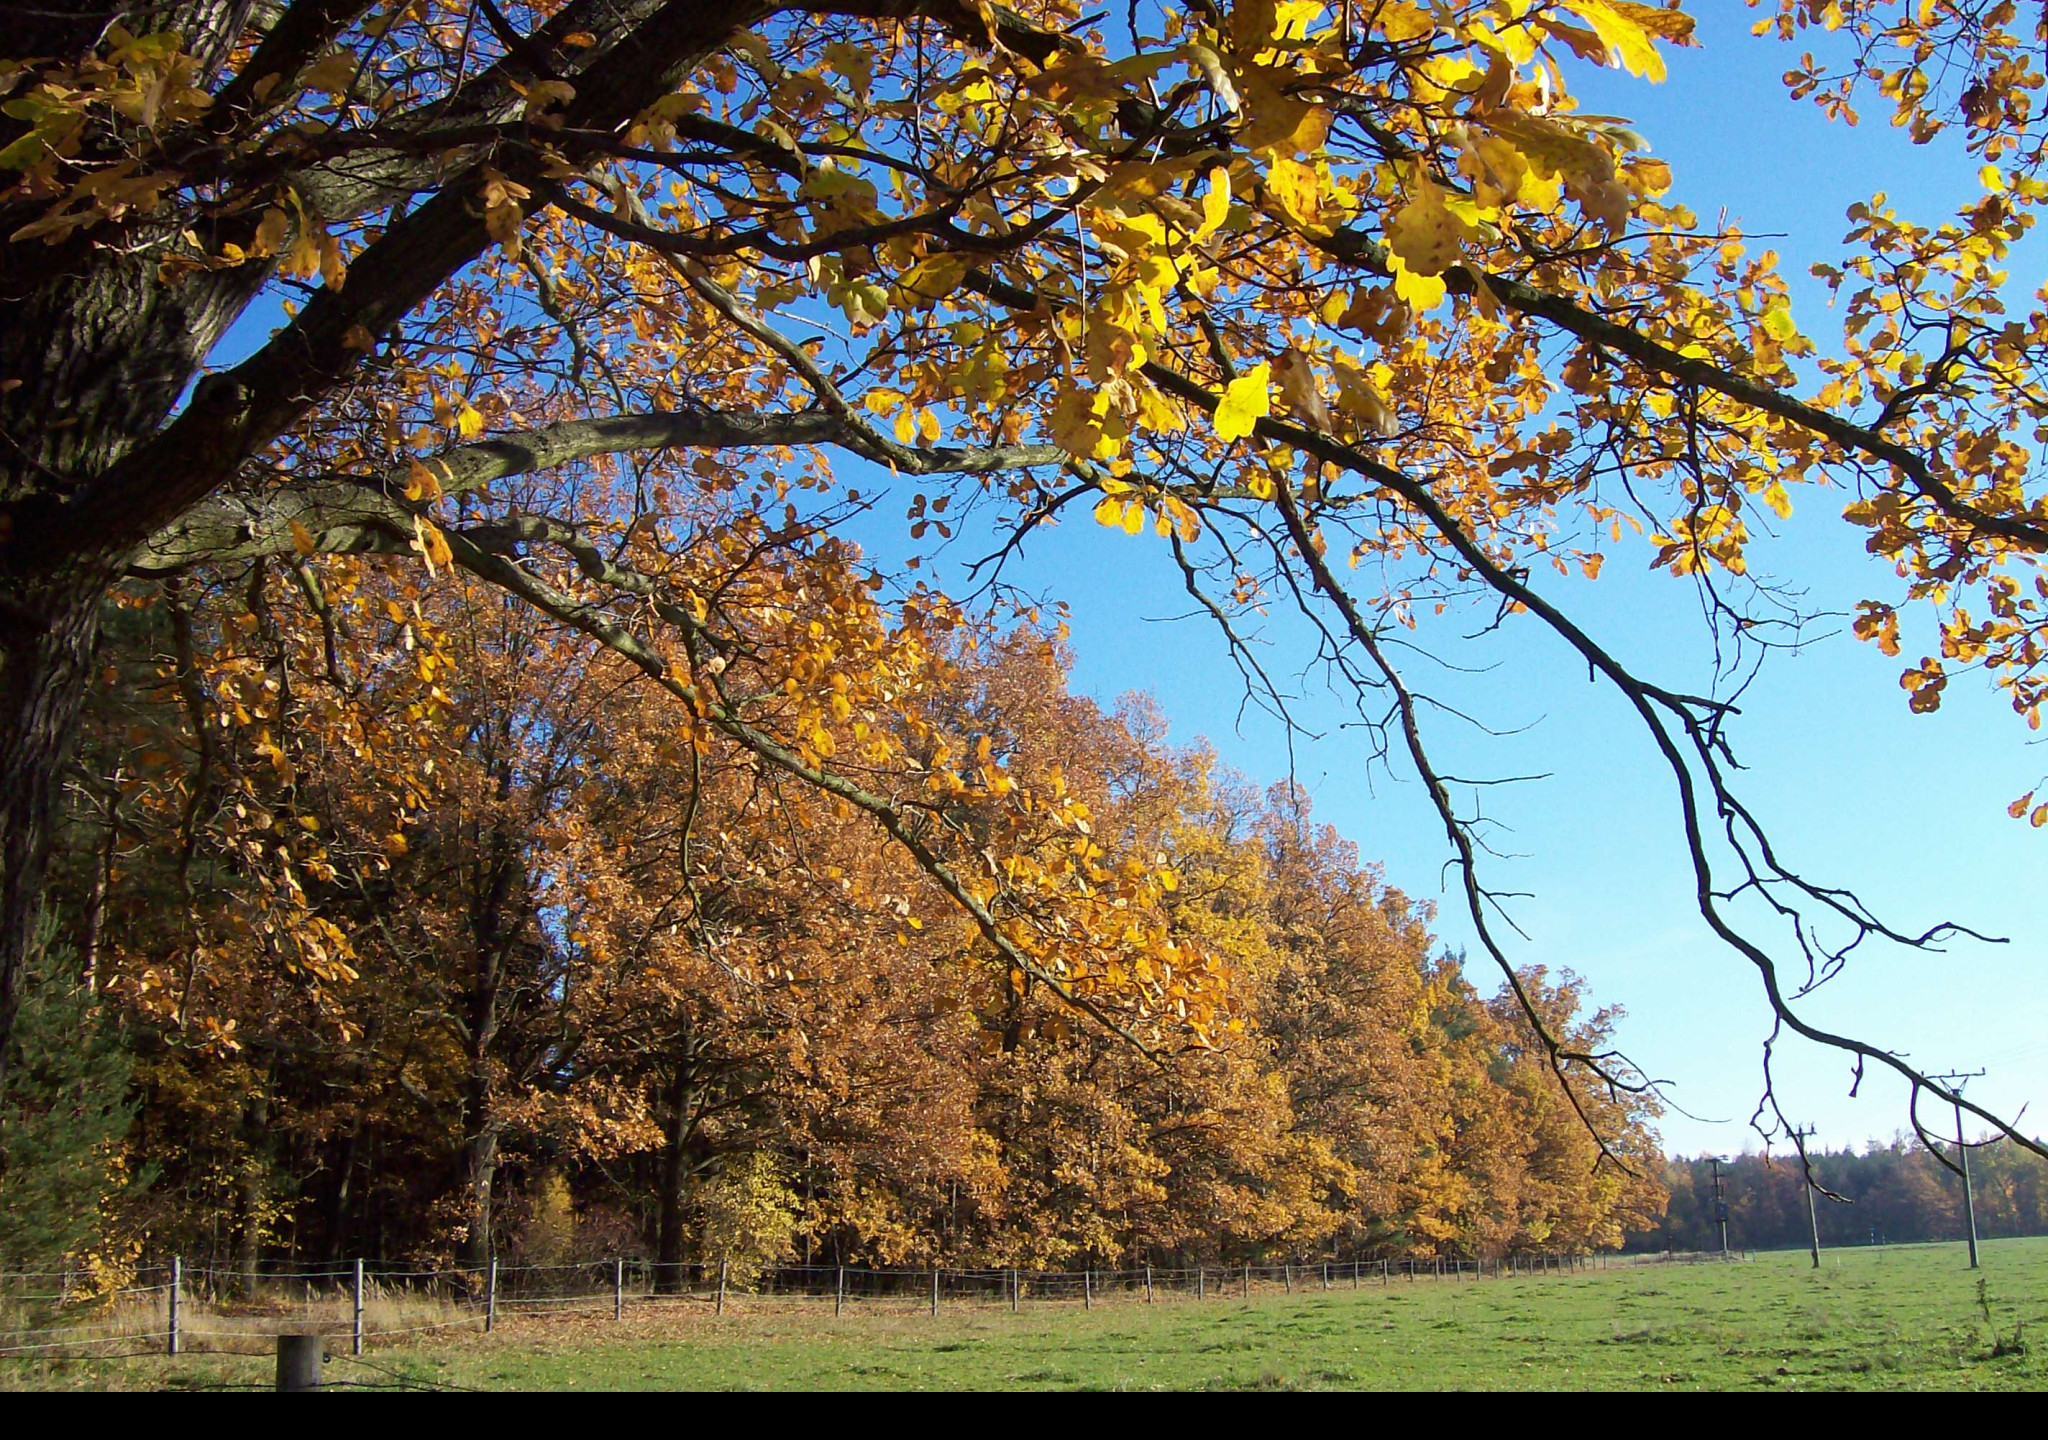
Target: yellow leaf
x: 302, y: 539
x: 930, y: 281
x: 1620, y: 29
x: 1245, y: 400
x: 1215, y: 203
x: 430, y: 543
x: 420, y: 483
x: 1298, y: 191
x: 1109, y: 511
x: 469, y: 421
x: 1422, y: 292
x: 1424, y: 234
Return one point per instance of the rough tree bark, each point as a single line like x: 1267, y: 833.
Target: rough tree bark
x: 672, y: 1235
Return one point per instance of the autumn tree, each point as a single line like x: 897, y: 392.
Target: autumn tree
x: 1348, y: 308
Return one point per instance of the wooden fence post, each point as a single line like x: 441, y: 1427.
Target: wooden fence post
x: 356, y: 1321
x: 491, y: 1298
x: 1013, y: 1289
x: 1201, y: 1283
x: 1287, y: 1277
x: 839, y: 1293
x: 935, y: 1294
x: 718, y: 1307
x: 177, y: 1284
x: 618, y: 1290
x: 1148, y: 1284
x: 1354, y: 1274
x: 1247, y: 1282
x: 1087, y: 1289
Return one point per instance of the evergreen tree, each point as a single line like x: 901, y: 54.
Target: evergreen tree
x: 64, y: 1113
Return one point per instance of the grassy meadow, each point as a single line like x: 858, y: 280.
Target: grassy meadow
x: 1907, y: 1317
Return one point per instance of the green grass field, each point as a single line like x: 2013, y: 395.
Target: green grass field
x: 1898, y: 1318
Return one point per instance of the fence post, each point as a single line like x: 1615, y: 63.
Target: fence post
x: 356, y: 1320
x: 839, y: 1293
x: 1287, y: 1277
x: 1148, y: 1284
x: 1247, y: 1282
x: 298, y: 1363
x: 1013, y: 1289
x: 618, y: 1290
x: 1087, y: 1289
x: 1385, y: 1278
x: 718, y: 1307
x: 935, y: 1294
x: 1201, y: 1283
x: 491, y: 1298
x: 1354, y: 1274
x: 177, y: 1283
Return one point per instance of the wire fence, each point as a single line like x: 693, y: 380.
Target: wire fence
x: 176, y: 1309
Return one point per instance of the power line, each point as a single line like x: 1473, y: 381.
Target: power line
x: 1799, y: 1138
x: 1959, y: 1079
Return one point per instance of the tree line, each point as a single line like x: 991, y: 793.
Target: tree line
x: 409, y: 928
x: 1893, y: 1192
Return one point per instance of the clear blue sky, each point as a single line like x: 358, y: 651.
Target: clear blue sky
x: 1909, y: 810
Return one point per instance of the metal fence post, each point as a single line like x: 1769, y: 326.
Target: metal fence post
x: 177, y: 1284
x: 491, y: 1298
x: 355, y: 1339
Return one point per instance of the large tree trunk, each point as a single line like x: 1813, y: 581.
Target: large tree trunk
x: 495, y: 922
x: 479, y: 1126
x: 47, y: 634
x: 98, y: 350
x: 255, y: 1187
x: 671, y: 1239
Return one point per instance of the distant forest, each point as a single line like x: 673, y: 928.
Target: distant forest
x: 1891, y: 1194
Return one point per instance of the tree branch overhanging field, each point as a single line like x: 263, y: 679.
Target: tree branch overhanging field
x: 1050, y: 239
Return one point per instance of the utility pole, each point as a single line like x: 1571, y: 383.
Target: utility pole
x: 1799, y: 1138
x: 1963, y: 1155
x: 1720, y: 1207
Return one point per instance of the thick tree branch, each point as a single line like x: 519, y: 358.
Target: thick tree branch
x: 345, y: 513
